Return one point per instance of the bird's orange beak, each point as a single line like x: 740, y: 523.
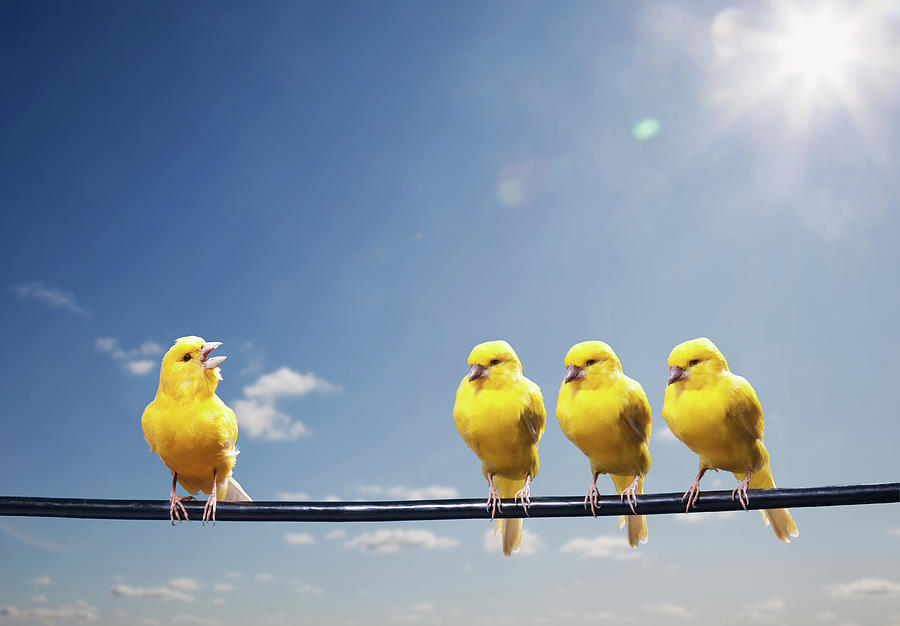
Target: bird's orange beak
x: 210, y: 363
x: 476, y: 371
x: 676, y: 373
x: 573, y: 372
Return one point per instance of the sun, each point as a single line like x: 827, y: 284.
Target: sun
x: 817, y: 47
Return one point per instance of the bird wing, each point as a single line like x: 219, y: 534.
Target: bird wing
x: 637, y: 411
x: 534, y: 415
x: 745, y: 409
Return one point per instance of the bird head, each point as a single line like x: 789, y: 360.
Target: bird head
x: 492, y: 363
x: 188, y: 370
x: 693, y: 363
x: 590, y: 364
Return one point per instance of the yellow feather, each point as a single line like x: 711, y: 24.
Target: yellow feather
x: 607, y: 416
x: 189, y: 427
x: 501, y: 417
x: 717, y: 414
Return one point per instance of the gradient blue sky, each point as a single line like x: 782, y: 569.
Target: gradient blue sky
x: 351, y: 196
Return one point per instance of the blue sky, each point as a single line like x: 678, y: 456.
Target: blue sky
x: 350, y: 196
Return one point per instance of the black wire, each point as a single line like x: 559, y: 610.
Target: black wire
x: 555, y: 506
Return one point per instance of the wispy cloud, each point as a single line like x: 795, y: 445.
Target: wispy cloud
x: 50, y: 295
x: 411, y: 613
x: 393, y: 540
x: 865, y: 588
x: 197, y: 620
x: 293, y: 495
x: 531, y: 542
x: 662, y: 433
x: 762, y: 610
x: 265, y: 577
x: 402, y: 492
x: 603, y: 546
x: 184, y: 584
x: 894, y: 531
x: 338, y: 533
x: 41, y: 581
x: 38, y: 598
x: 25, y: 536
x: 310, y: 589
x: 712, y: 516
x: 675, y: 610
x: 299, y: 539
x: 79, y: 611
x: 133, y: 360
x: 155, y: 593
x: 286, y: 382
x: 256, y: 411
x: 223, y: 587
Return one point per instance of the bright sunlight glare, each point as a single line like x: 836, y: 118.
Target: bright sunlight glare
x: 817, y: 47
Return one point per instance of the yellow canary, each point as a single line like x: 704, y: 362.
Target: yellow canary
x: 191, y: 429
x: 718, y: 416
x: 501, y: 417
x: 606, y: 414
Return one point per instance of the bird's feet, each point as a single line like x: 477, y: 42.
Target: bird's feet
x: 175, y: 503
x: 524, y: 494
x: 592, y: 497
x: 493, y: 501
x: 209, y: 509
x: 628, y: 494
x: 692, y: 494
x: 740, y: 492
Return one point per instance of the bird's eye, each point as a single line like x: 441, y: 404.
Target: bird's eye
x: 590, y: 362
x: 186, y: 358
x: 495, y: 362
x: 693, y: 363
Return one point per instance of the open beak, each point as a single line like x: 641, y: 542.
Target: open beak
x: 477, y: 371
x: 676, y: 373
x: 210, y: 363
x: 573, y: 372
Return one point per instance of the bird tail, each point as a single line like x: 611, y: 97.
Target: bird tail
x: 779, y: 519
x: 235, y: 493
x: 510, y: 529
x: 636, y: 525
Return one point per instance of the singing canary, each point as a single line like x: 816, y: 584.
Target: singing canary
x: 717, y: 414
x: 607, y: 416
x: 191, y: 429
x: 500, y: 415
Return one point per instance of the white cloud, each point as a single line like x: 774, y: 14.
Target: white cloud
x: 265, y: 577
x: 394, y: 540
x: 825, y: 615
x: 133, y: 360
x: 402, y: 492
x: 79, y: 611
x: 286, y: 382
x: 299, y: 539
x: 184, y: 584
x: 602, y: 546
x: 50, y: 295
x: 894, y: 531
x: 39, y: 598
x: 263, y: 420
x: 310, y: 589
x: 150, y: 621
x: 223, y: 587
x: 531, y: 543
x: 293, y: 495
x: 865, y: 587
x: 675, y: 610
x: 42, y: 581
x: 663, y: 433
x: 762, y: 610
x: 196, y: 619
x: 338, y: 533
x: 156, y: 593
x: 257, y: 413
x: 412, y: 613
x: 332, y: 498
x: 218, y: 601
x: 712, y: 516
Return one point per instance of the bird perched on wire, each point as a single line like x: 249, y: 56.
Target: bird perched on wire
x: 606, y: 414
x: 191, y: 429
x: 501, y: 417
x: 717, y: 414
